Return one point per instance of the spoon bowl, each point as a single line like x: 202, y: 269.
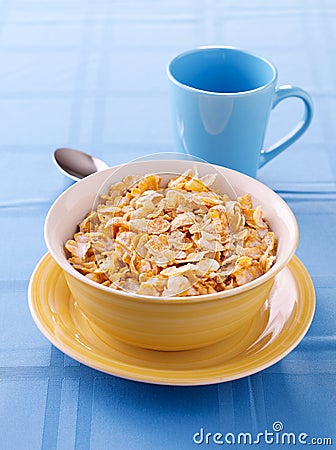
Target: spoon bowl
x: 76, y: 164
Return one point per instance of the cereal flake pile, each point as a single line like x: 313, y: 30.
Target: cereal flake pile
x: 181, y: 239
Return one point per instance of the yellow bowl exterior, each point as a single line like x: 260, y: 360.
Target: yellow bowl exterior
x: 172, y: 323
x: 166, y: 325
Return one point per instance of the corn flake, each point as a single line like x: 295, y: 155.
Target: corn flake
x: 181, y: 239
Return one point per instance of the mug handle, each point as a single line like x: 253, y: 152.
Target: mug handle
x: 281, y: 93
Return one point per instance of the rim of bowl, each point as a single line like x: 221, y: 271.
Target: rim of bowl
x: 274, y: 270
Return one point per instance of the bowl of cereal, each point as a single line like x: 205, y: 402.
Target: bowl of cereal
x: 170, y: 254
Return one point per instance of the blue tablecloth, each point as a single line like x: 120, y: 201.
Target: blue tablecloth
x: 91, y: 75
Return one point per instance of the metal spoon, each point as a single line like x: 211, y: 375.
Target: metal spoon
x: 76, y: 164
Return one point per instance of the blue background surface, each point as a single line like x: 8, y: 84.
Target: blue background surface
x: 91, y: 75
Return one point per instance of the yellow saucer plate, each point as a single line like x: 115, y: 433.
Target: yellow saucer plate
x: 271, y: 335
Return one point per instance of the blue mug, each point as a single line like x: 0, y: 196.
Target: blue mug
x: 221, y: 100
